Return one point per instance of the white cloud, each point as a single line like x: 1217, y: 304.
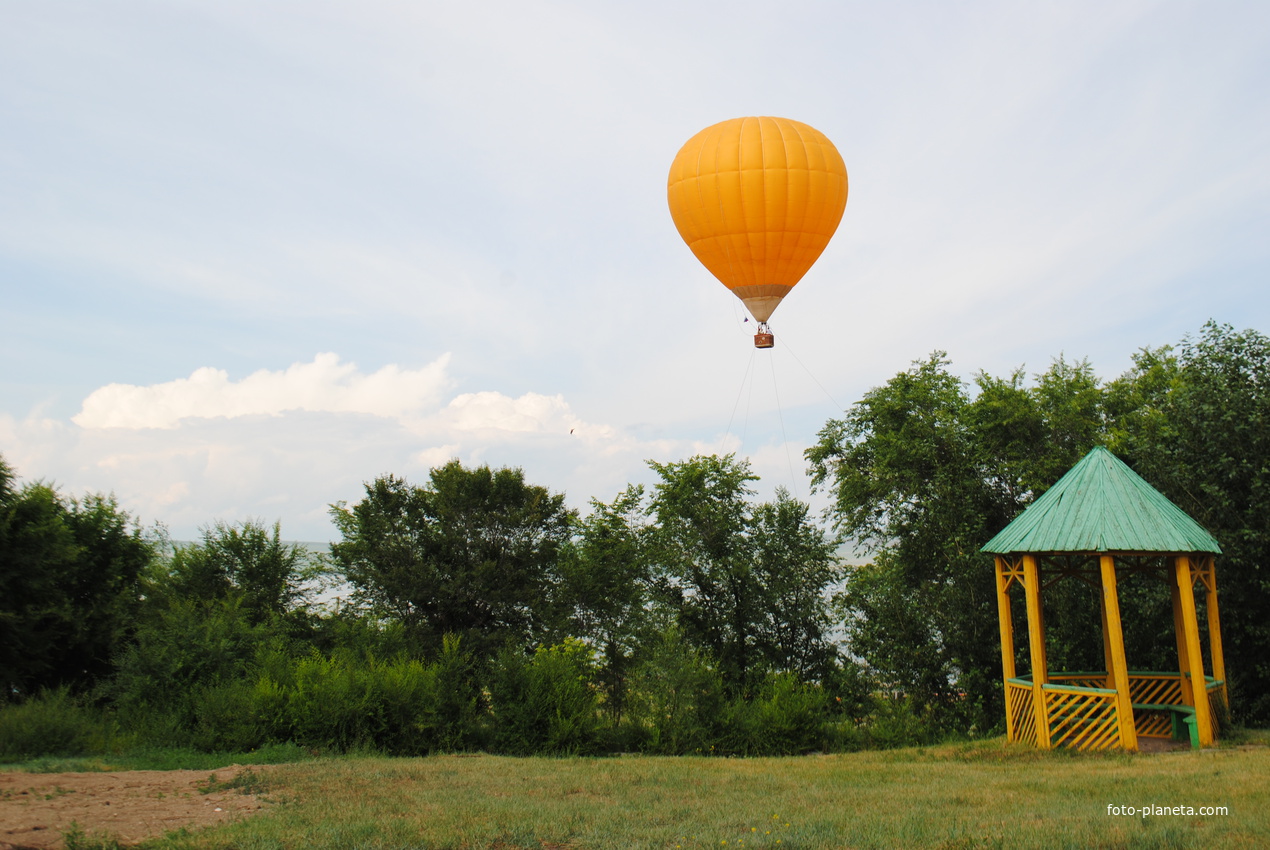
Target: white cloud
x: 495, y: 411
x: 325, y: 385
x: 437, y: 455
x: 286, y: 444
x: 531, y: 413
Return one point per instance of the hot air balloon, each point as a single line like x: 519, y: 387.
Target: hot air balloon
x: 757, y: 200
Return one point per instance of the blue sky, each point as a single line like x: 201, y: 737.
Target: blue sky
x: 255, y: 254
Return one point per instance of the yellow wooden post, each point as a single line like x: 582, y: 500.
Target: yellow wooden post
x: 1036, y: 645
x: 1179, y: 630
x: 1007, y: 643
x: 1108, y: 665
x: 1117, y: 667
x: 1214, y: 627
x: 1195, y: 660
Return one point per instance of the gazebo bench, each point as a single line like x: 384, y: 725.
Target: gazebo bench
x: 1183, y: 720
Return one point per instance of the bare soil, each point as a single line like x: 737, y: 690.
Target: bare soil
x: 128, y: 806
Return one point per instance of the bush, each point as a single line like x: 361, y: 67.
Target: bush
x: 52, y: 724
x: 786, y: 717
x: 328, y: 703
x: 453, y: 719
x: 547, y: 703
x: 896, y: 722
x: 676, y: 698
x: 188, y: 647
x: 355, y: 635
x: 399, y: 707
x: 226, y: 719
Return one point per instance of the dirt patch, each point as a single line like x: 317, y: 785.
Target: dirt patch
x: 129, y: 806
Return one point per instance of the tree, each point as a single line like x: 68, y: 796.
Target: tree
x: 795, y: 562
x: 747, y: 583
x: 702, y: 558
x: 908, y: 484
x: 1196, y: 423
x: 69, y: 571
x: 604, y: 587
x: 922, y: 475
x: 246, y: 560
x: 471, y: 554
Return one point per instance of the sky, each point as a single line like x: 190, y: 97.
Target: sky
x: 254, y: 255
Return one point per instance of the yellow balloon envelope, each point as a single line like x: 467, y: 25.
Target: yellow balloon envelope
x: 757, y: 200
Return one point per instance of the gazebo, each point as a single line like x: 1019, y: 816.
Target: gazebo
x: 1102, y: 519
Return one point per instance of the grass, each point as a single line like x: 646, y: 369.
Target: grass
x: 245, y: 781
x: 76, y: 839
x: 162, y: 758
x: 986, y: 794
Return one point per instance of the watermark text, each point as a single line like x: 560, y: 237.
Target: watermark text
x: 1151, y: 810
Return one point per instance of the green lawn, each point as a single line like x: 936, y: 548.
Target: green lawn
x: 987, y: 794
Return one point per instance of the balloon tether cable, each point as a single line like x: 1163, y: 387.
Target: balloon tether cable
x: 739, y: 390
x: 781, y: 416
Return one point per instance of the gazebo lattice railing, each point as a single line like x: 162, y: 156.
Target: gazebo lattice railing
x: 1101, y: 518
x: 1084, y: 715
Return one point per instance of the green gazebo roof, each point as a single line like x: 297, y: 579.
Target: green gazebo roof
x: 1101, y: 505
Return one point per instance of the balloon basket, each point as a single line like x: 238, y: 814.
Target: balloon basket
x: 764, y: 338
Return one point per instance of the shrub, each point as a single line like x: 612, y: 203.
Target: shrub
x: 52, y: 724
x: 400, y: 695
x: 786, y: 717
x: 453, y: 719
x: 226, y: 719
x: 392, y: 706
x: 327, y: 703
x: 190, y: 646
x: 896, y: 722
x: 547, y: 703
x: 676, y: 698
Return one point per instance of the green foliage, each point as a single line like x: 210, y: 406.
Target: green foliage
x: 75, y: 838
x: 689, y: 619
x: 1195, y: 422
x: 889, y: 621
x: 702, y: 556
x: 787, y: 716
x: 900, y: 722
x: 677, y: 698
x: 455, y: 720
x: 132, y: 756
x: 245, y: 560
x: 245, y: 781
x: 923, y: 473
x: 747, y: 584
x: 52, y: 723
x: 472, y: 554
x: 69, y: 587
x: 401, y: 706
x: 545, y: 703
x: 332, y: 703
x: 909, y: 483
x: 214, y: 612
x: 795, y: 563
x: 604, y: 580
x: 226, y: 718
x: 182, y: 650
x: 355, y: 634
